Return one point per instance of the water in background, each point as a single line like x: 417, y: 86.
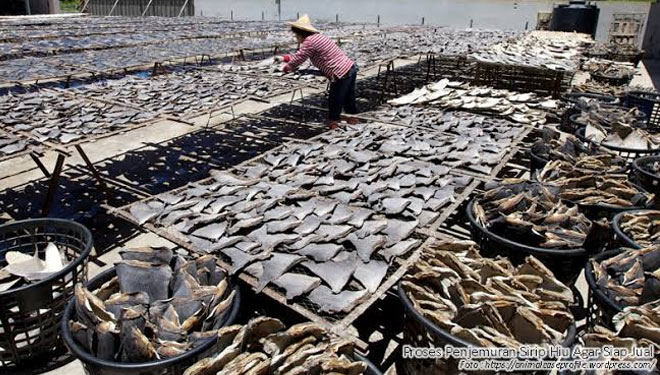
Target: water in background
x: 496, y: 14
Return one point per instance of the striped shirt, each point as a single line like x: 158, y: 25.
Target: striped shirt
x: 324, y: 54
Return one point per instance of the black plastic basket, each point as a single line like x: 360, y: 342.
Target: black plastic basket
x: 640, y: 119
x: 611, y: 80
x: 634, y: 57
x: 170, y: 366
x: 572, y: 99
x: 630, y: 154
x: 649, y: 181
x: 30, y: 315
x: 647, y: 102
x: 625, y: 240
x: 536, y: 163
x: 421, y: 332
x: 566, y: 264
x: 597, y: 54
x: 572, y: 107
x: 606, y: 211
x: 601, y: 308
x: 372, y: 369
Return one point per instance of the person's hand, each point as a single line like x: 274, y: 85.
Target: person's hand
x: 279, y: 59
x: 282, y: 68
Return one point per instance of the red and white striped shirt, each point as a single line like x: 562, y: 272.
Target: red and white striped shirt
x: 324, y: 54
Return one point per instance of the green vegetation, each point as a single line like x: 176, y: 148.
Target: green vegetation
x: 69, y: 6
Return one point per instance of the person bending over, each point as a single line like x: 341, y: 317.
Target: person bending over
x: 324, y: 54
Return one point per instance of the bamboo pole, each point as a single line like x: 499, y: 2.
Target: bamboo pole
x: 147, y: 8
x: 84, y: 7
x: 183, y: 8
x: 113, y: 8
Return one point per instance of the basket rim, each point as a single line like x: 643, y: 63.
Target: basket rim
x: 541, y: 159
x: 610, y: 206
x: 591, y: 281
x: 84, y: 254
x: 574, y: 96
x: 637, y: 94
x: 639, y: 119
x: 642, y: 159
x: 532, y: 250
x: 601, y: 74
x: 88, y: 358
x: 611, y: 79
x: 580, y: 134
x: 569, y: 339
x: 537, y: 158
x: 616, y: 224
x: 371, y: 367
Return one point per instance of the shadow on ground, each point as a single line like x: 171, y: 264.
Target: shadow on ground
x: 78, y: 198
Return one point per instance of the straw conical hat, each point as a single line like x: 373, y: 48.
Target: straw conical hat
x: 304, y: 23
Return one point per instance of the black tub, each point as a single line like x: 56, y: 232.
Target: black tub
x: 371, y: 368
x: 421, y: 332
x: 621, y: 235
x: 629, y: 154
x: 577, y: 124
x: 605, y: 210
x: 649, y: 181
x: 601, y: 308
x: 30, y: 315
x: 573, y: 107
x: 611, y: 80
x: 537, y: 163
x: 171, y: 366
x: 566, y: 264
x: 647, y: 102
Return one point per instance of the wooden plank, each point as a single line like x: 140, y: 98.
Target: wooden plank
x: 52, y: 185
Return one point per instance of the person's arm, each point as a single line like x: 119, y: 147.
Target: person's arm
x: 295, y: 60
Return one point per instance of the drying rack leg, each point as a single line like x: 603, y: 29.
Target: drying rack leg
x: 52, y: 185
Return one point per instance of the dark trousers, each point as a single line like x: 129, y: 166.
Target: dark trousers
x: 342, y: 95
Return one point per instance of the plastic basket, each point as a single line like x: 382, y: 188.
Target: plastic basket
x: 371, y: 368
x: 170, y: 366
x: 649, y: 181
x: 572, y: 107
x: 630, y: 154
x: 421, y: 332
x: 30, y: 315
x: 647, y: 102
x: 566, y: 264
x: 577, y: 124
x: 601, y: 308
x: 625, y: 240
x: 633, y: 58
x: 573, y: 98
x: 611, y: 80
x: 606, y: 211
x: 536, y: 163
x: 597, y: 54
